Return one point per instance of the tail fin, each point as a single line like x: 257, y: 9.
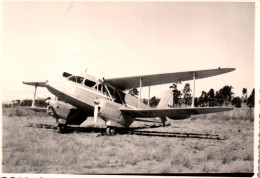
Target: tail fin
x: 166, y: 101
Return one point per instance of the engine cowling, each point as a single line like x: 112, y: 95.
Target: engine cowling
x: 112, y: 115
x: 66, y: 113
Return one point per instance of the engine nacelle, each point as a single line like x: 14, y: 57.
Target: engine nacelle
x: 66, y: 113
x: 112, y: 115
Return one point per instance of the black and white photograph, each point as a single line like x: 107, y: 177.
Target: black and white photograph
x: 129, y: 88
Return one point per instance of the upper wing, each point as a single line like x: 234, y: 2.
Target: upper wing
x: 173, y: 113
x: 38, y: 84
x: 158, y: 79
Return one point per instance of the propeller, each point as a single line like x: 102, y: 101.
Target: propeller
x: 97, y: 102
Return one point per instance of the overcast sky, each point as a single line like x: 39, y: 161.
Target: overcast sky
x: 117, y: 39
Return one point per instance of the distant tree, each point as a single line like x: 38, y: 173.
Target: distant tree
x: 244, y: 91
x: 212, y: 101
x: 211, y: 93
x: 224, y: 95
x: 26, y: 102
x: 220, y: 97
x: 203, y: 99
x: 196, y: 102
x: 133, y: 92
x: 227, y: 92
x: 6, y: 105
x: 176, y: 93
x: 145, y: 101
x: 187, y: 96
x: 154, y: 101
x: 236, y: 101
x: 251, y: 99
x: 18, y: 102
x: 40, y: 103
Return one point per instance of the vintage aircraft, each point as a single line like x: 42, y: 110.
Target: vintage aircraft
x: 81, y: 96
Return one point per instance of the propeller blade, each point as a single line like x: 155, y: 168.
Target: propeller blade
x: 95, y: 114
x: 96, y: 101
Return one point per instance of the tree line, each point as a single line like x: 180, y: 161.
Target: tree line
x: 223, y: 96
x: 27, y: 103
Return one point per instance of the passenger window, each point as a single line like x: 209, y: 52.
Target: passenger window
x: 99, y: 87
x: 89, y: 83
x: 76, y: 79
x: 73, y: 78
x: 79, y: 79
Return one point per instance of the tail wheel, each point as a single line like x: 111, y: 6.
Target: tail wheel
x: 63, y: 128
x: 110, y: 131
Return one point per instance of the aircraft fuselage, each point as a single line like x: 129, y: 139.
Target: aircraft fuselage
x: 81, y: 92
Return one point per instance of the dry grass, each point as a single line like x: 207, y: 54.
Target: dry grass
x: 33, y: 150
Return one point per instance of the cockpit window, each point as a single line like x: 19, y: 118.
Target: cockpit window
x: 99, y: 87
x: 76, y: 79
x: 66, y: 75
x: 89, y: 83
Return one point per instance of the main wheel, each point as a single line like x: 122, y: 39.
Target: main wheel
x: 62, y: 128
x: 110, y: 131
x: 164, y: 124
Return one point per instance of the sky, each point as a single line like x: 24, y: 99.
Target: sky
x: 120, y: 39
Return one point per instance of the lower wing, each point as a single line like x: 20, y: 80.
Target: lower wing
x: 174, y: 113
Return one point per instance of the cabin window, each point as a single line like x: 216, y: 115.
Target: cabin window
x: 76, y: 79
x: 66, y: 75
x: 99, y: 87
x: 72, y: 78
x: 89, y: 83
x: 79, y: 79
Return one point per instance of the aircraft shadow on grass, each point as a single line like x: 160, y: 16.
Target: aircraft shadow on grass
x: 134, y: 131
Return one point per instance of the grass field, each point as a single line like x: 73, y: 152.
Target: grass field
x: 34, y: 150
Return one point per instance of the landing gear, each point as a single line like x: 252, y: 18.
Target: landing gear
x: 110, y: 131
x: 163, y: 120
x: 63, y: 128
x: 163, y: 124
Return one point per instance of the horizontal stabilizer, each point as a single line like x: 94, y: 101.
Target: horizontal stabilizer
x: 174, y: 113
x: 38, y: 84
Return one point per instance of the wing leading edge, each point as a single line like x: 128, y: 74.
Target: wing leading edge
x: 125, y: 83
x: 173, y: 113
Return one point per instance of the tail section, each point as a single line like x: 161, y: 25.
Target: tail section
x: 166, y: 101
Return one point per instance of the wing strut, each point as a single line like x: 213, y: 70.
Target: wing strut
x: 149, y: 97
x: 33, y: 103
x: 193, y: 96
x: 140, y: 93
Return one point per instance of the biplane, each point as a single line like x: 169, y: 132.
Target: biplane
x: 82, y: 96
